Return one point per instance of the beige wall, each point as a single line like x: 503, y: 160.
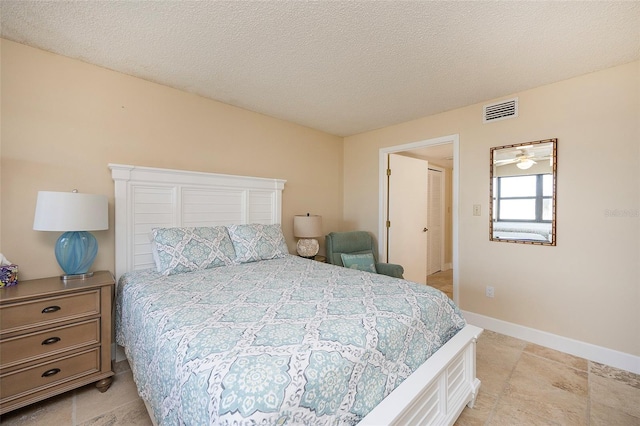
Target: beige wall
x: 588, y: 287
x: 64, y: 120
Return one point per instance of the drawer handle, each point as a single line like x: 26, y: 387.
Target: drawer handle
x: 51, y: 340
x: 51, y: 372
x: 50, y: 309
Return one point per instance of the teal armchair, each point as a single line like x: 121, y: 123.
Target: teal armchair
x: 357, y: 242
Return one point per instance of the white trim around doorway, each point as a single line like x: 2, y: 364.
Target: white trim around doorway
x: 382, y: 199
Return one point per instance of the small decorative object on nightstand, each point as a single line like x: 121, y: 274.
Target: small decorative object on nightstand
x: 8, y: 272
x: 307, y: 228
x: 74, y: 214
x: 55, y: 336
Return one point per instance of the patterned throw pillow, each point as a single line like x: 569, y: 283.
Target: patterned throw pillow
x: 362, y: 262
x: 189, y: 249
x: 257, y: 242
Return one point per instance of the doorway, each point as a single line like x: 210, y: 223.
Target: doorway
x: 423, y: 149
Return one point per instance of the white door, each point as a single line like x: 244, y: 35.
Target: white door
x: 407, y: 216
x: 435, y: 221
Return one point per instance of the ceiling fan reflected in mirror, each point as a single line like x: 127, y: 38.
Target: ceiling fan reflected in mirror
x: 523, y: 160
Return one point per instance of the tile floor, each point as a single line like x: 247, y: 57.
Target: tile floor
x: 443, y: 281
x: 527, y: 384
x: 522, y: 384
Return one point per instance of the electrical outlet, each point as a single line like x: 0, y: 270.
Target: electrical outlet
x: 477, y: 210
x: 489, y: 292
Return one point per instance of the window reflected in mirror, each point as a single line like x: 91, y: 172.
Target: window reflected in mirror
x: 523, y: 193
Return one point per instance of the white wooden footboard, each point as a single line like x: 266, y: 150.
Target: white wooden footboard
x: 437, y: 392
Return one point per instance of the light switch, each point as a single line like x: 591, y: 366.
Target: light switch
x: 477, y: 210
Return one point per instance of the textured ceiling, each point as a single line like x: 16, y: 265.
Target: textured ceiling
x: 343, y: 67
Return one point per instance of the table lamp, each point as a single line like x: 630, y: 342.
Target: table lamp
x: 74, y: 214
x: 307, y: 228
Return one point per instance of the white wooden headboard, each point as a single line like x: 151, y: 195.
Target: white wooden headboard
x: 147, y: 198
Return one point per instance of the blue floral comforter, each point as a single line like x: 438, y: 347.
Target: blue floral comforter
x: 283, y: 341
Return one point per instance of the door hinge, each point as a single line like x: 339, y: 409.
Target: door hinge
x: 388, y: 224
x: 388, y: 172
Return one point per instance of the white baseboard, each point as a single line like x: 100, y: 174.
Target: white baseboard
x: 585, y: 350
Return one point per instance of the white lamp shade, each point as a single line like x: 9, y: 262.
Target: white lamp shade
x: 71, y: 211
x: 307, y: 226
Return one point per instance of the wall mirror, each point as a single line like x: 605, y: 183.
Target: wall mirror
x: 522, y: 207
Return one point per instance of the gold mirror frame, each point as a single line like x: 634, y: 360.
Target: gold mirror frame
x: 536, y: 158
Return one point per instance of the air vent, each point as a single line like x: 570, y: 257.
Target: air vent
x: 500, y: 110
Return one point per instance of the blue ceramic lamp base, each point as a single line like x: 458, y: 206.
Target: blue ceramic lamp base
x: 75, y: 252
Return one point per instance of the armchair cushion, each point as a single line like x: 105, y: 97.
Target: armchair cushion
x: 357, y: 242
x: 390, y: 269
x: 362, y: 262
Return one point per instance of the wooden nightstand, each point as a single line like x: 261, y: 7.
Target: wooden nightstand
x: 55, y: 336
x: 319, y: 258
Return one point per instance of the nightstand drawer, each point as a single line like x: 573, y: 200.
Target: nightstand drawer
x: 43, y: 311
x: 49, y: 374
x: 49, y: 342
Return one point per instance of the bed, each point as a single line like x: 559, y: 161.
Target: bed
x: 266, y: 337
x: 529, y: 231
